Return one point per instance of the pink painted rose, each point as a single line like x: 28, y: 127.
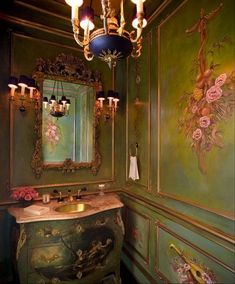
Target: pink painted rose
x: 213, y: 94
x: 204, y: 121
x: 221, y: 80
x: 197, y: 134
x: 194, y: 109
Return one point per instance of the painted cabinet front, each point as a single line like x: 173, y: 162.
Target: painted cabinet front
x: 83, y: 250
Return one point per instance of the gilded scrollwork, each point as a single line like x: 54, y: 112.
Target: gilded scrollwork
x: 21, y: 241
x: 120, y: 222
x: 73, y: 70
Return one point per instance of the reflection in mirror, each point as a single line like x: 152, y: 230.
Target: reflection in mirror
x: 72, y: 135
x: 69, y: 142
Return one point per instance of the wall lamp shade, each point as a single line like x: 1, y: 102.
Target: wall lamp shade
x: 13, y: 85
x: 13, y: 82
x: 31, y: 86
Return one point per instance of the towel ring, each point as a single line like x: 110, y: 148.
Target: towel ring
x: 136, y: 145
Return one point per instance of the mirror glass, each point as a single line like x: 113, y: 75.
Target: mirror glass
x: 70, y: 136
x: 70, y: 142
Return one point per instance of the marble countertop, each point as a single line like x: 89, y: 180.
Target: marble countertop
x: 98, y: 203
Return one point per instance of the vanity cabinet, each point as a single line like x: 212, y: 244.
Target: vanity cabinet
x: 82, y: 250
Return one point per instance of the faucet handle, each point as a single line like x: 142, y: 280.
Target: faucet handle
x: 70, y: 195
x: 78, y: 197
x: 60, y: 198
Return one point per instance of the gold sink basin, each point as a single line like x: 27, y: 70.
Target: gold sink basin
x: 73, y: 208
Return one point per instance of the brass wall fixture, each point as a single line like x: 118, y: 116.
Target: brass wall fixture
x: 111, y: 42
x: 110, y: 109
x: 24, y: 83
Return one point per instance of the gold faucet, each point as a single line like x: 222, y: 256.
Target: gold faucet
x: 70, y: 196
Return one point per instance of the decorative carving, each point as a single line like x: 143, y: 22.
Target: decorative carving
x: 69, y: 66
x: 48, y: 259
x: 48, y: 232
x: 120, y: 222
x: 21, y: 241
x: 89, y: 259
x: 70, y: 69
x: 102, y: 222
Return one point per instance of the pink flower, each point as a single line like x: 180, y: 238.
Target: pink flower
x: 194, y: 109
x: 197, y: 134
x: 24, y: 192
x: 28, y: 196
x: 213, y: 94
x: 204, y: 121
x: 221, y: 80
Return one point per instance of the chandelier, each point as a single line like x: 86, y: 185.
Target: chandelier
x: 57, y: 105
x: 112, y: 42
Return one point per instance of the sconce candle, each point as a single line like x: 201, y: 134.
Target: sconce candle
x: 13, y: 85
x: 113, y: 99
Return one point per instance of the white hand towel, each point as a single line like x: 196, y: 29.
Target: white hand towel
x: 133, y: 172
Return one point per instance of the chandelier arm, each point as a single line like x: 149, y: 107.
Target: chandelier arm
x: 138, y: 35
x: 105, y: 15
x: 88, y: 55
x: 136, y: 52
x: 77, y: 39
x: 122, y: 20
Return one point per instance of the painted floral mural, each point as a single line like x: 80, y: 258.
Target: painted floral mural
x: 52, y: 133
x: 212, y: 99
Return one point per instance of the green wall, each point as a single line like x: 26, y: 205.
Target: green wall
x: 173, y: 202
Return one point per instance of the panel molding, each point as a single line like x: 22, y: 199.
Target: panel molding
x: 159, y: 192
x: 148, y: 39
x: 147, y: 219
x: 160, y: 226
x: 169, y: 213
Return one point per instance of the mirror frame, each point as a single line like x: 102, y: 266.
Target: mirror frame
x: 71, y: 69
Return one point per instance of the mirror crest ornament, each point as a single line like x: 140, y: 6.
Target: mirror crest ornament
x: 69, y: 69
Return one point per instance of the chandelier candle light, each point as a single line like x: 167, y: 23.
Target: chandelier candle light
x: 112, y: 42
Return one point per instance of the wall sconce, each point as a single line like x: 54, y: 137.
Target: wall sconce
x: 24, y: 83
x: 55, y: 106
x: 107, y: 110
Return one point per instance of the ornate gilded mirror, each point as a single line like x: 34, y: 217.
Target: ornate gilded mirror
x: 66, y: 135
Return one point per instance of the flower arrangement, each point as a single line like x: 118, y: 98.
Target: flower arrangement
x: 27, y: 193
x: 203, y: 110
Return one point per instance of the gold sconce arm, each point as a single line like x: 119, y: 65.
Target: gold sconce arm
x: 138, y: 35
